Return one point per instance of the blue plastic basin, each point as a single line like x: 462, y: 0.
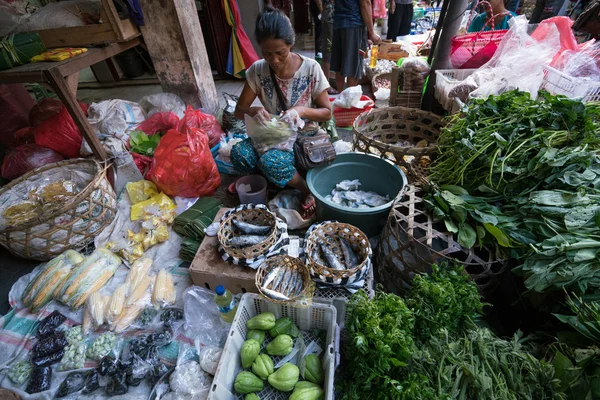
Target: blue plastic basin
x: 375, y: 174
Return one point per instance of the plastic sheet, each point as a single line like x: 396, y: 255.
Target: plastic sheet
x: 162, y: 102
x: 202, y: 318
x: 26, y: 158
x: 205, y: 122
x: 160, y: 122
x: 183, y: 165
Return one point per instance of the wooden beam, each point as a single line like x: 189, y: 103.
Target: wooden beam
x: 72, y: 82
x: 176, y: 45
x: 70, y: 102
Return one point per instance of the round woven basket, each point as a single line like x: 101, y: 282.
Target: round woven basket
x: 411, y: 242
x: 256, y: 216
x: 377, y: 132
x: 329, y: 233
x: 72, y: 224
x: 377, y: 81
x: 285, y: 262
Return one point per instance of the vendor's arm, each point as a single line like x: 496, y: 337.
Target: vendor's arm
x: 244, y: 105
x: 321, y: 113
x: 366, y: 10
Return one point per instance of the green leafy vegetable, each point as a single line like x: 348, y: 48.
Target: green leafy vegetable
x: 143, y: 144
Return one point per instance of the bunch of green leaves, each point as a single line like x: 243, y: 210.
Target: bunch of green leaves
x: 496, y: 142
x: 480, y: 365
x: 445, y: 299
x: 378, y: 346
x: 143, y: 144
x: 578, y: 370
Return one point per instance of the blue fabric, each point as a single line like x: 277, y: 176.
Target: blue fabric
x: 276, y: 165
x: 478, y: 23
x: 347, y: 14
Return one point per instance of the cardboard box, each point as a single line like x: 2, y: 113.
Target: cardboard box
x: 391, y: 51
x: 209, y: 270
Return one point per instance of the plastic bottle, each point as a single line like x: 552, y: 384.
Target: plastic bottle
x: 374, y: 54
x: 226, y: 303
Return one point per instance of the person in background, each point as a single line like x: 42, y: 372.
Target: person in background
x: 316, y: 9
x: 545, y: 9
x: 399, y: 19
x: 327, y: 38
x: 304, y: 89
x: 352, y: 22
x: 500, y: 14
x: 511, y: 5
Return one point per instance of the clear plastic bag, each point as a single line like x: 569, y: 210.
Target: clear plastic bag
x: 274, y: 134
x: 349, y: 97
x: 202, y: 317
x: 583, y: 63
x: 162, y: 102
x: 208, y: 357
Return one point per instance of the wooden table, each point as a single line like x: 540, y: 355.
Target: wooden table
x: 63, y: 76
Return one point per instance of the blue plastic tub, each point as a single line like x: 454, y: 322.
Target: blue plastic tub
x: 375, y: 174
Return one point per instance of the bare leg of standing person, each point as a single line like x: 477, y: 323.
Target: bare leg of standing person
x: 339, y: 81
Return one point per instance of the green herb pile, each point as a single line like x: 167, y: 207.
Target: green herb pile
x: 428, y: 347
x: 143, y: 144
x: 523, y: 175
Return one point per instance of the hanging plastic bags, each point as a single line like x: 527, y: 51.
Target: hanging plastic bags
x: 183, y: 164
x: 206, y: 122
x: 26, y: 158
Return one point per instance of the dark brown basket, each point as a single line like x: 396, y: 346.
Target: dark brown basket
x: 329, y: 233
x: 256, y: 216
x: 377, y: 131
x: 71, y: 225
x: 411, y: 242
x: 286, y: 262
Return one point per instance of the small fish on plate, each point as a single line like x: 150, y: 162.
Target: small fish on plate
x: 251, y: 229
x: 246, y: 240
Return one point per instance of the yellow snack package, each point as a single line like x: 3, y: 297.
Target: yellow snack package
x: 141, y: 190
x: 154, y: 206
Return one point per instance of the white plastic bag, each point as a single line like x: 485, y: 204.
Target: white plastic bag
x: 202, y: 317
x: 286, y: 205
x: 342, y: 147
x: 162, y: 102
x: 209, y: 357
x: 382, y: 94
x: 115, y: 118
x: 349, y: 98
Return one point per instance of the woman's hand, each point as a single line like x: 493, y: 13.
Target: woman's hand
x: 293, y: 116
x: 260, y: 114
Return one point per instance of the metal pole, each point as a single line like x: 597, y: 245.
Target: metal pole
x: 441, y: 58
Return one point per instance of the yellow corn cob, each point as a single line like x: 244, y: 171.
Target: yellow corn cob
x: 101, y: 281
x: 88, y: 322
x: 159, y: 288
x: 170, y: 294
x: 96, y: 304
x: 138, y: 291
x: 128, y: 315
x: 117, y: 300
x: 138, y: 270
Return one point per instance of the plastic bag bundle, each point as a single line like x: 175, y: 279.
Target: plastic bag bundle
x: 26, y: 158
x: 206, y: 122
x: 160, y: 122
x: 183, y: 165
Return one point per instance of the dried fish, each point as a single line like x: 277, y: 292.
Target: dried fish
x: 350, y: 257
x: 246, y: 240
x: 251, y: 229
x: 330, y: 257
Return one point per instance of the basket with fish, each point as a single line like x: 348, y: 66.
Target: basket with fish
x: 248, y: 232
x: 405, y: 136
x: 338, y: 255
x: 56, y: 207
x: 284, y: 279
x: 411, y: 242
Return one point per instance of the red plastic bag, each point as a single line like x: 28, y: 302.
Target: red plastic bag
x: 26, y: 158
x: 43, y: 110
x: 25, y: 135
x: 206, y: 122
x: 159, y: 122
x: 183, y: 165
x: 142, y: 162
x: 15, y: 104
x: 60, y: 134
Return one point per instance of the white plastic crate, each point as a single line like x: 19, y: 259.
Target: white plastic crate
x: 315, y: 316
x: 445, y: 81
x: 557, y: 82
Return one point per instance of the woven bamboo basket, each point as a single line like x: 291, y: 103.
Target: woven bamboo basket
x: 285, y: 262
x: 329, y: 233
x: 70, y: 225
x: 376, y: 81
x: 256, y: 216
x: 377, y: 132
x: 411, y: 242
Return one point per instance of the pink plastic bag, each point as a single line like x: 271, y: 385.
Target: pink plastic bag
x: 183, y: 165
x: 206, y: 122
x: 26, y: 158
x: 159, y: 122
x: 15, y: 103
x: 379, y: 10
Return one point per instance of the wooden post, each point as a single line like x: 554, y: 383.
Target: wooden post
x: 176, y: 45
